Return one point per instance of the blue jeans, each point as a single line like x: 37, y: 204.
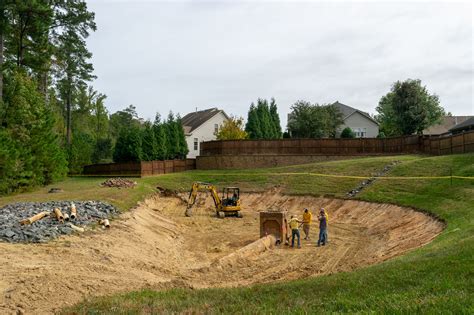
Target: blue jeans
x: 323, y: 236
x: 293, y: 233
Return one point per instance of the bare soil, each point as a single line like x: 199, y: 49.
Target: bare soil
x: 156, y: 246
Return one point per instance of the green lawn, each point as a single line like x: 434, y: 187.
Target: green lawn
x: 438, y: 278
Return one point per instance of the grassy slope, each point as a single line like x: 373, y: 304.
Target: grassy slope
x: 436, y: 278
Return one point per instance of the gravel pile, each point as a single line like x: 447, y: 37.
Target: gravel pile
x: 49, y: 227
x: 119, y: 182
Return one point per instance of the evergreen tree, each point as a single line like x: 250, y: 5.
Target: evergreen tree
x: 80, y: 152
x: 129, y: 145
x: 183, y: 146
x: 102, y: 151
x: 73, y: 68
x: 265, y: 121
x: 159, y: 129
x: 11, y: 166
x: 252, y: 127
x: 30, y: 125
x: 172, y: 137
x: 149, y: 144
x: 275, y: 119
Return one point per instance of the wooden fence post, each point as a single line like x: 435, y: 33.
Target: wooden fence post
x: 463, y: 142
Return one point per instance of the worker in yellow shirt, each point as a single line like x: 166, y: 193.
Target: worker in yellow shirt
x: 295, y: 230
x: 307, y: 218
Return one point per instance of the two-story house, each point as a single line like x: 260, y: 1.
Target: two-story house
x: 361, y: 123
x: 201, y: 126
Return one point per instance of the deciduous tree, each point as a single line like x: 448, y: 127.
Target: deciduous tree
x: 232, y: 129
x: 408, y: 108
x: 313, y: 121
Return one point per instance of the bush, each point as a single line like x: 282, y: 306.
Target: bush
x: 381, y: 135
x: 347, y: 133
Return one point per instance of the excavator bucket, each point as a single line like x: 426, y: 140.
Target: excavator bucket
x: 274, y: 223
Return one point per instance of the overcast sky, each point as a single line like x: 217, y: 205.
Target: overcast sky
x: 163, y: 56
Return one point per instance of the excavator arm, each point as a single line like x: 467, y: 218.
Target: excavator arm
x: 200, y: 186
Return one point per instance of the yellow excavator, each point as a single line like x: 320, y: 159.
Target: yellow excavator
x: 228, y: 205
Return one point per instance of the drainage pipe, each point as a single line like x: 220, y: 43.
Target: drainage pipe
x: 34, y: 218
x: 58, y: 214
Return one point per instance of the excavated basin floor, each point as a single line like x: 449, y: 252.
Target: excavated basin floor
x: 156, y: 246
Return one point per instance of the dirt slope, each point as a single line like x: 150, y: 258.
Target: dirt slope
x: 156, y: 246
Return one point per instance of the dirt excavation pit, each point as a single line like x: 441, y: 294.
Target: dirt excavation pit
x: 156, y: 246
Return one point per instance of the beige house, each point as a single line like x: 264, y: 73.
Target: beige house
x: 201, y: 126
x: 445, y: 125
x: 361, y: 123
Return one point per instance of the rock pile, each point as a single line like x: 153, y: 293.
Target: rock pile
x: 119, y: 182
x: 370, y: 180
x: 49, y: 227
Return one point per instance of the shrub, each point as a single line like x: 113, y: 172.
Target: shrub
x: 347, y: 133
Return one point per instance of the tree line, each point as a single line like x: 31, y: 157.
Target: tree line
x: 52, y: 120
x: 160, y: 140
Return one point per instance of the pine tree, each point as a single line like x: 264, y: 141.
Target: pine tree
x: 73, y: 67
x: 30, y: 125
x: 252, y: 127
x: 172, y: 137
x: 149, y: 145
x: 183, y: 145
x: 159, y: 129
x: 129, y: 146
x: 11, y: 166
x: 275, y: 119
x: 263, y: 113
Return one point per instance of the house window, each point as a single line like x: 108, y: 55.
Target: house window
x: 196, y: 144
x: 360, y: 132
x: 216, y: 128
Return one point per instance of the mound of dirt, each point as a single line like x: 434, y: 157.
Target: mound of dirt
x: 119, y: 183
x: 155, y: 246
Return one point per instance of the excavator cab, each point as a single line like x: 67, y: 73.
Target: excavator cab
x: 228, y: 205
x: 231, y: 196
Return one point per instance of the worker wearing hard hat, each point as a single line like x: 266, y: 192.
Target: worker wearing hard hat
x: 307, y: 218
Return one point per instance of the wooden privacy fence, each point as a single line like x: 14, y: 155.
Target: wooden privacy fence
x: 138, y: 169
x: 460, y: 143
x: 362, y: 146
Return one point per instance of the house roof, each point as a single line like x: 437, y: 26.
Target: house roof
x: 445, y: 125
x: 464, y: 125
x: 346, y: 111
x: 195, y: 119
